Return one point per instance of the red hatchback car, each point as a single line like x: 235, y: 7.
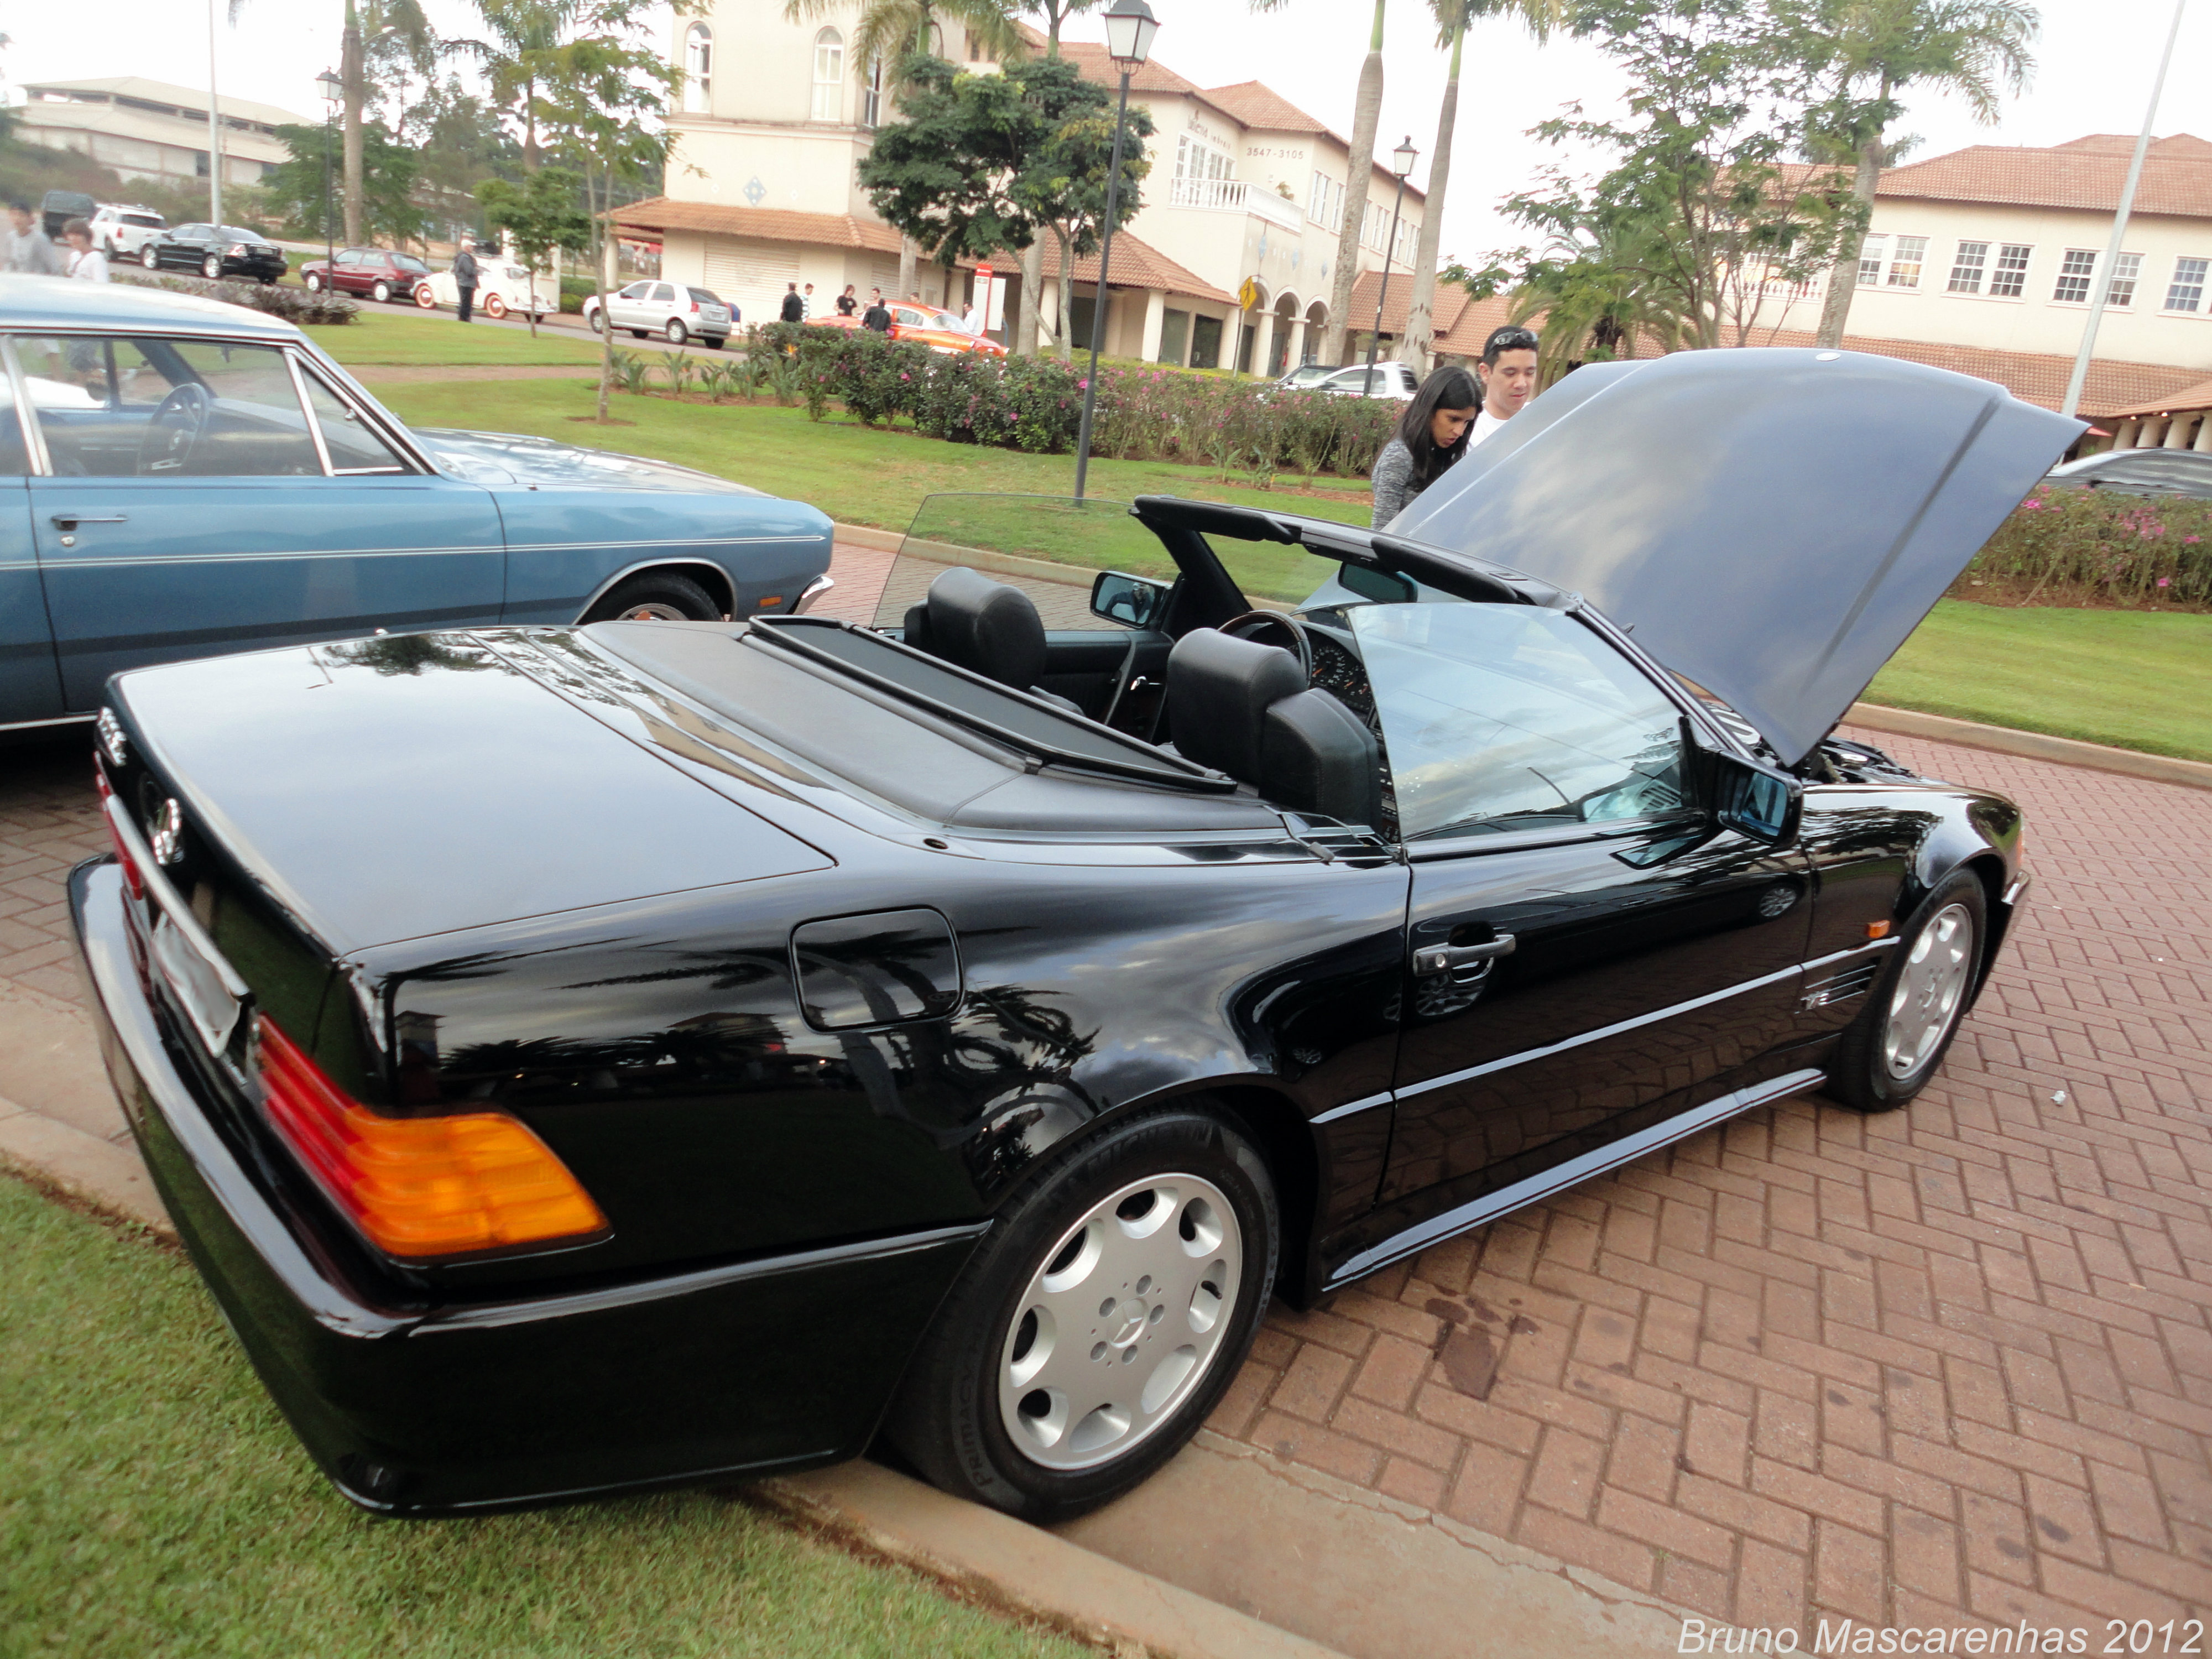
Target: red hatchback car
x: 380, y: 273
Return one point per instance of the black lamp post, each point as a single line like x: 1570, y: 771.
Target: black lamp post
x: 333, y: 94
x: 1401, y: 163
x: 1130, y: 27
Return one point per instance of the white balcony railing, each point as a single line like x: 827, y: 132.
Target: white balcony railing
x: 1235, y: 196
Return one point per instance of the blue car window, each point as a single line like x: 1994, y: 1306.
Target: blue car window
x: 127, y: 407
x: 353, y: 448
x: 1505, y: 717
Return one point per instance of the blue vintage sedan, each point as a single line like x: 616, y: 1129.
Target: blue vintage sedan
x: 180, y: 478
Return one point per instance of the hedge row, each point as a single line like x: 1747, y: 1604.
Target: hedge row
x: 278, y: 300
x: 2068, y: 546
x: 1036, y: 403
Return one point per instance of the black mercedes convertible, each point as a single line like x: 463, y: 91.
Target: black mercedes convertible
x: 584, y: 1059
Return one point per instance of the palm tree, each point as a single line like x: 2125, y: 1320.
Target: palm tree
x: 370, y: 25
x: 1452, y: 18
x: 1366, y: 116
x: 1594, y: 292
x: 526, y: 36
x: 891, y: 30
x: 1971, y: 47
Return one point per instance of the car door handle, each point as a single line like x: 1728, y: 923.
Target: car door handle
x: 71, y: 520
x: 1442, y: 958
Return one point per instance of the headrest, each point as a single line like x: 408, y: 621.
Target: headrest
x: 1219, y: 689
x: 1318, y: 757
x: 988, y: 626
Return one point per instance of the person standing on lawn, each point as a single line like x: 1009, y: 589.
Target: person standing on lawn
x: 28, y: 248
x: 794, y: 309
x: 1507, y: 368
x: 847, y: 304
x: 86, y: 262
x: 877, y: 315
x: 1431, y: 435
x: 465, y: 278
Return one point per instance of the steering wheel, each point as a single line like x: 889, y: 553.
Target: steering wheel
x: 175, y: 430
x: 1253, y: 623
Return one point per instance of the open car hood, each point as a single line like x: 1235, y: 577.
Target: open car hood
x: 1771, y: 523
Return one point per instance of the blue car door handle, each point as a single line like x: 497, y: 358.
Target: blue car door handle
x: 71, y: 520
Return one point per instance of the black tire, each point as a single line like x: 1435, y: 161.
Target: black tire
x: 381, y: 292
x: 149, y: 258
x: 662, y: 596
x: 1864, y: 1074
x: 640, y: 333
x: 313, y: 279
x: 676, y: 334
x: 949, y: 1420
x: 211, y: 268
x: 597, y: 321
x: 713, y: 342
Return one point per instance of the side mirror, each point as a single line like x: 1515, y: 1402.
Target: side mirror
x: 1756, y: 801
x: 1384, y: 587
x: 1132, y: 601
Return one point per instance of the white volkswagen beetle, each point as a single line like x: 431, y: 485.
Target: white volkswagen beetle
x: 500, y: 288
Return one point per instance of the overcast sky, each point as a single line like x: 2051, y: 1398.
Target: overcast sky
x: 2094, y: 64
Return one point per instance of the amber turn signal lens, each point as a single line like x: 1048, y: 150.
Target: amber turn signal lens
x: 422, y: 1188
x: 1877, y: 930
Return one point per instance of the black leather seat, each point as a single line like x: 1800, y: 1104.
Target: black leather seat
x: 988, y: 628
x: 1244, y: 708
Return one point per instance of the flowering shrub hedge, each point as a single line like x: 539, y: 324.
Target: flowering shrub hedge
x: 2065, y: 546
x: 1036, y: 403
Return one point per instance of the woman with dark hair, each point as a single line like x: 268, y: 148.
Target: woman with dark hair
x: 1431, y: 435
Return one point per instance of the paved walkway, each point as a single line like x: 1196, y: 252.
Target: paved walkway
x: 1949, y: 1365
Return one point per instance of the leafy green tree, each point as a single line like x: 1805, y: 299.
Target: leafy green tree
x: 1703, y: 196
x: 1063, y: 186
x: 602, y: 91
x: 1452, y: 17
x: 382, y: 30
x: 943, y: 174
x: 460, y: 142
x: 519, y: 55
x: 540, y: 217
x: 294, y: 189
x: 1021, y: 336
x: 1875, y: 49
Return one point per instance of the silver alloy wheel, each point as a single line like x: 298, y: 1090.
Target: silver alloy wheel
x: 1121, y: 1322
x: 314, y: 282
x: 1930, y: 991
x: 651, y: 610
x: 211, y: 268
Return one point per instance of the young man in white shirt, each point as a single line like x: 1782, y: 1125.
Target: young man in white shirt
x: 1507, y: 370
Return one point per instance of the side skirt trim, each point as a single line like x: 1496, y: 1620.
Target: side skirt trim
x: 1436, y: 1229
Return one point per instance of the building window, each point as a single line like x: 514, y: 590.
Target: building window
x: 1966, y: 267
x: 1325, y: 202
x: 1871, y: 253
x: 2122, y: 290
x: 698, y: 68
x: 2187, y: 291
x: 2009, y: 281
x: 1904, y: 265
x: 829, y: 75
x: 871, y: 95
x: 2074, y: 274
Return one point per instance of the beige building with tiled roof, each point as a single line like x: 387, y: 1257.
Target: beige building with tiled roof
x: 146, y: 128
x: 1996, y: 249
x: 1245, y: 187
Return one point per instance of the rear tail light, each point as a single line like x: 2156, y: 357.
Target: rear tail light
x: 133, y: 878
x: 422, y: 1188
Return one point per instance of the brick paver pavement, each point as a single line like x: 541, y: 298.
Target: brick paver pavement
x: 1952, y: 1364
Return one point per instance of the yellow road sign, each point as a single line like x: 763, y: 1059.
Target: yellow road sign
x: 1248, y: 295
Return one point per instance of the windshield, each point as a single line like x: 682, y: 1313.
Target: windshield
x: 1498, y: 718
x: 408, y: 262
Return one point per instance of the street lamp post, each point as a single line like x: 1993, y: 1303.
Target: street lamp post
x: 1130, y: 27
x: 333, y: 91
x: 1401, y: 163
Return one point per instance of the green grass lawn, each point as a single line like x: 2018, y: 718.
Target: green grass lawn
x: 388, y: 334
x: 2135, y: 679
x: 152, y: 1502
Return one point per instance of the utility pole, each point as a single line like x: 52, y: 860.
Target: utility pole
x: 2103, y: 287
x: 215, y: 133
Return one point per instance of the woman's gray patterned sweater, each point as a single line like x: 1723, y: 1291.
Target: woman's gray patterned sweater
x: 1394, y: 484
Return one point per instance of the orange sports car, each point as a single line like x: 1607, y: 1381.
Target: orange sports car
x: 939, y: 330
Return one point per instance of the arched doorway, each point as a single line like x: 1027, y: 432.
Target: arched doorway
x: 1288, y: 344
x: 1316, y: 326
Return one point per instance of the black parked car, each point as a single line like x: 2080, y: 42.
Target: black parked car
x: 2138, y: 472
x: 584, y: 1059
x: 214, y: 250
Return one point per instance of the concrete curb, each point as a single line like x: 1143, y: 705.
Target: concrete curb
x: 96, y: 1174
x: 2033, y: 745
x: 1019, y: 1569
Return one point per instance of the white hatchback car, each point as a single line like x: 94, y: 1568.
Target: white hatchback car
x: 120, y: 231
x: 1390, y: 380
x: 675, y: 313
x: 500, y: 289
